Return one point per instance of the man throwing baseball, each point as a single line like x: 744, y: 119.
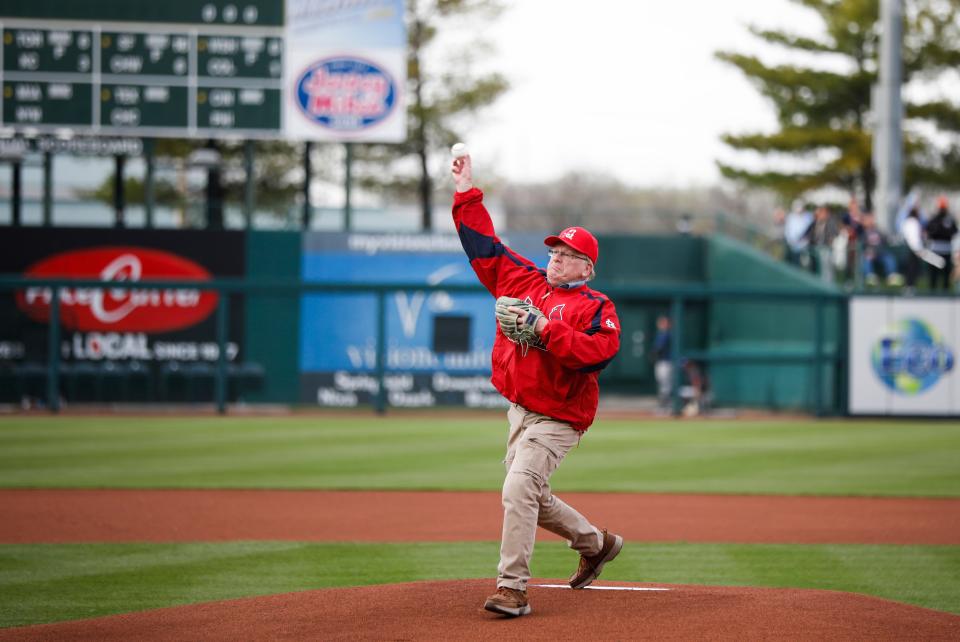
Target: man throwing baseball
x: 555, y: 335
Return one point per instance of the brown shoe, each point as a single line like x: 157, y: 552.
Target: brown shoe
x: 508, y: 601
x: 590, y: 567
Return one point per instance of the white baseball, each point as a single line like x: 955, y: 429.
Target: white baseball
x: 459, y: 150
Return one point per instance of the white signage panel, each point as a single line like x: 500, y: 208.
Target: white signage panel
x: 903, y: 356
x: 868, y: 317
x: 345, y: 71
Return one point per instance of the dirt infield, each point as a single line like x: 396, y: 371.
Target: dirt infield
x: 451, y: 611
x: 52, y: 516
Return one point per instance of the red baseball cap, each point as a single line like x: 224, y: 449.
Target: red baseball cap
x: 579, y: 239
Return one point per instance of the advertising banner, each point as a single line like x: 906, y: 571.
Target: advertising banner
x: 903, y: 356
x: 438, y: 343
x: 112, y: 324
x: 345, y: 71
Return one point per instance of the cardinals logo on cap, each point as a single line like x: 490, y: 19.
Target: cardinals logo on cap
x: 579, y: 239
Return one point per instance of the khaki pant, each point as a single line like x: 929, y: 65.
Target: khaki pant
x: 536, y: 446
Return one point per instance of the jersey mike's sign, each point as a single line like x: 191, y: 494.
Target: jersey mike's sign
x: 120, y: 309
x: 345, y: 71
x: 345, y: 94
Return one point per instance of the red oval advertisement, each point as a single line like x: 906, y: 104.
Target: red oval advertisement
x: 120, y: 309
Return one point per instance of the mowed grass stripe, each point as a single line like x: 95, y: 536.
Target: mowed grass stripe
x: 287, y: 453
x: 848, y: 457
x: 46, y: 583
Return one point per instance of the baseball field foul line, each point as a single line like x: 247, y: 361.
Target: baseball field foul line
x: 601, y: 588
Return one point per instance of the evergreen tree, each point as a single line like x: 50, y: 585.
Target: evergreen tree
x: 824, y: 115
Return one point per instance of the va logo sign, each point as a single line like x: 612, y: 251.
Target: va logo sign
x: 911, y: 357
x: 345, y: 94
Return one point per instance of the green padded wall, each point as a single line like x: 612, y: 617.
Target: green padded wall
x: 721, y: 327
x: 645, y: 260
x: 273, y: 320
x: 771, y: 330
x: 769, y: 327
x: 648, y: 261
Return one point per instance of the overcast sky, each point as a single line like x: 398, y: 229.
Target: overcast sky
x: 628, y: 88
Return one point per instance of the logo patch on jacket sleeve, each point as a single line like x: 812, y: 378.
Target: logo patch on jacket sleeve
x: 610, y: 324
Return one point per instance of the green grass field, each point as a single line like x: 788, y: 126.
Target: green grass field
x: 362, y: 452
x: 43, y: 583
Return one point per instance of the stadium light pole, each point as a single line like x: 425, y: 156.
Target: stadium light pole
x: 307, y: 177
x: 888, y: 135
x: 347, y: 187
x: 16, y: 197
x: 119, y: 194
x: 12, y: 150
x: 47, y: 189
x: 149, y: 181
x: 208, y: 159
x: 214, y: 191
x: 250, y: 184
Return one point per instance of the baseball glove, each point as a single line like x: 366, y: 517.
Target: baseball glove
x: 516, y: 332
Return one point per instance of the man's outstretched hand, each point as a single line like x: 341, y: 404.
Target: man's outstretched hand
x: 462, y: 171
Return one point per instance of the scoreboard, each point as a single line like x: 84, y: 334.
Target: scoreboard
x: 173, y: 68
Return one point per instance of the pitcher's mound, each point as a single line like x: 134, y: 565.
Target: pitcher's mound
x: 453, y: 611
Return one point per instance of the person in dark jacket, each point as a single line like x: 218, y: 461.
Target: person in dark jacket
x: 876, y: 253
x: 662, y: 362
x: 940, y: 232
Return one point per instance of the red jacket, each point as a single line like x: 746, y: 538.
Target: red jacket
x: 557, y: 377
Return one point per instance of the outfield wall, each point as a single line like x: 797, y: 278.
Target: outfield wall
x: 764, y: 348
x: 135, y: 344
x: 777, y: 342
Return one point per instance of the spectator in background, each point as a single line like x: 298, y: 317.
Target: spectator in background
x: 941, y: 231
x: 877, y: 257
x: 913, y: 236
x: 820, y: 236
x: 779, y: 218
x: 697, y: 391
x: 839, y: 250
x: 910, y: 202
x: 851, y: 229
x: 795, y: 226
x: 662, y: 363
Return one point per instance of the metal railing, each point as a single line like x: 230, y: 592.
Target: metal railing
x: 677, y: 296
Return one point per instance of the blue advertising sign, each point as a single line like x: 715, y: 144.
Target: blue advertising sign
x: 339, y: 330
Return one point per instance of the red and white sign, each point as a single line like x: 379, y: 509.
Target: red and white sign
x: 120, y: 309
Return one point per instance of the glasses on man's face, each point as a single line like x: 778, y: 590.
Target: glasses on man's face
x: 559, y: 255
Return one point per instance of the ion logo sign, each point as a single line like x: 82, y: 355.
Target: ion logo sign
x: 116, y: 309
x: 345, y: 94
x: 911, y: 357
